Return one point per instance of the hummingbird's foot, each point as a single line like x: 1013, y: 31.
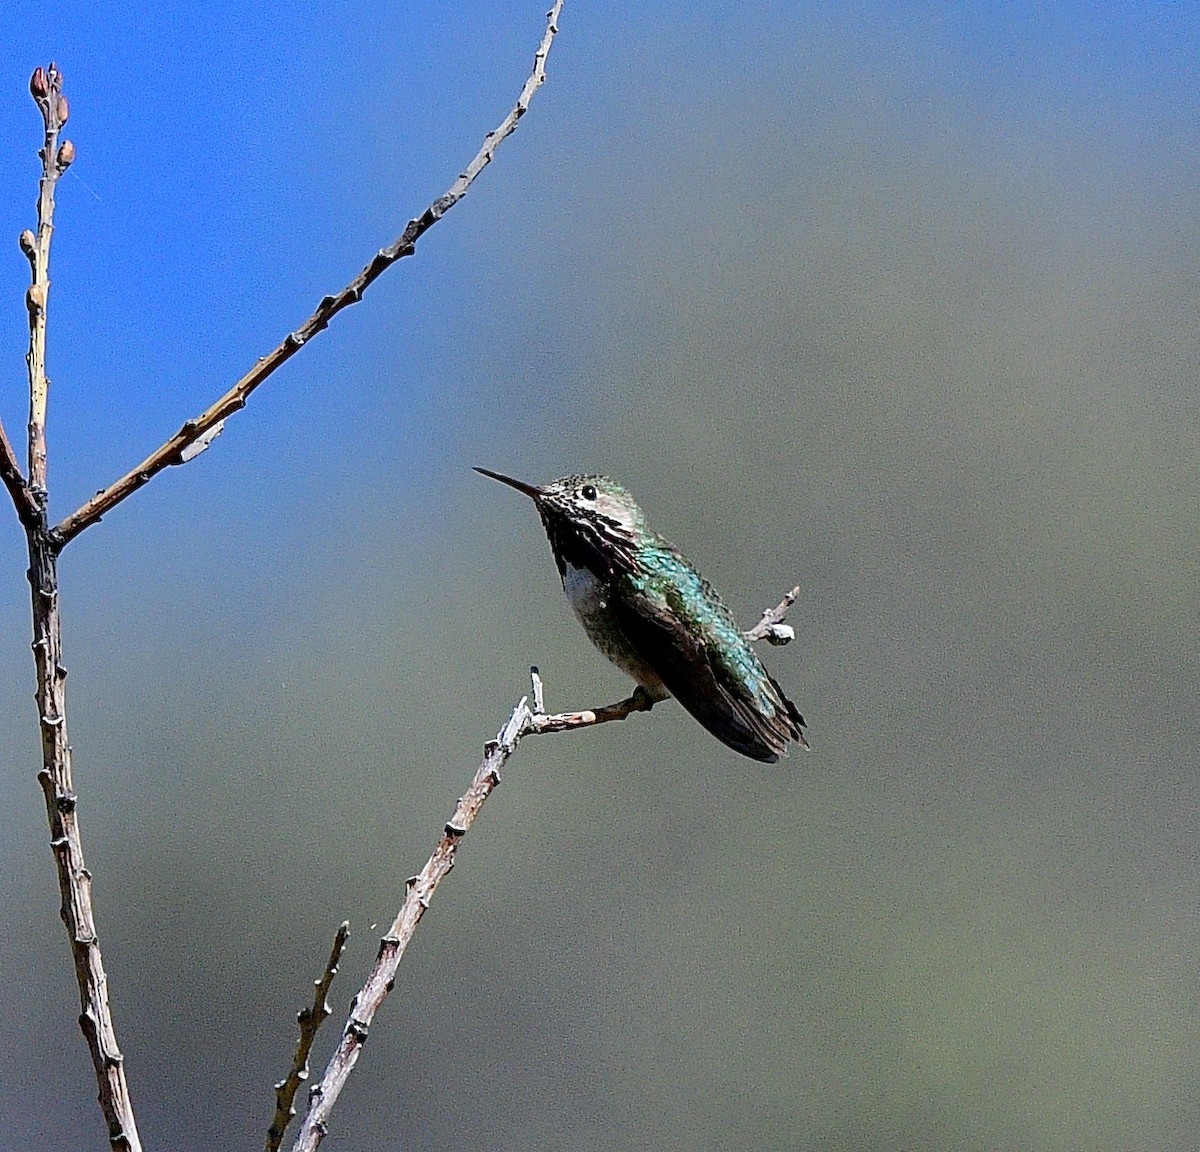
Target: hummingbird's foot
x: 640, y: 700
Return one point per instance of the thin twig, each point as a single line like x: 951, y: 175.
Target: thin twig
x: 174, y: 450
x: 542, y: 721
x: 55, y: 777
x: 771, y: 627
x: 310, y: 1020
x: 420, y: 889
x: 46, y: 88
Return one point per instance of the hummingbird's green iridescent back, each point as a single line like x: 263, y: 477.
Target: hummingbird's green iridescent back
x: 654, y: 616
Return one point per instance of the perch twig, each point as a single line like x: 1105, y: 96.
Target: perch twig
x: 525, y: 721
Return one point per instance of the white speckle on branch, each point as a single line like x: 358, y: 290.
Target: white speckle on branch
x: 192, y: 450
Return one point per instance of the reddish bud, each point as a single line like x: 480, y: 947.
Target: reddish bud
x: 35, y: 299
x: 64, y: 110
x: 37, y: 84
x: 66, y: 153
x: 27, y: 240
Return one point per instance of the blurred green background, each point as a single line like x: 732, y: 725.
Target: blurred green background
x: 895, y: 302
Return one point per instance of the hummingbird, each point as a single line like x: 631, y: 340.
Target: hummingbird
x: 644, y: 605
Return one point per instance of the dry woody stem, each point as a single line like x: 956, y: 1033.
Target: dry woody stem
x: 524, y: 721
x: 771, y: 627
x: 14, y: 481
x: 29, y: 495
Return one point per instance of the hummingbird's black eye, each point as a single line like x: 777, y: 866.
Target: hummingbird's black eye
x: 588, y: 492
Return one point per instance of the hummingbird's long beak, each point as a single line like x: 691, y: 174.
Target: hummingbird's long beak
x: 520, y: 485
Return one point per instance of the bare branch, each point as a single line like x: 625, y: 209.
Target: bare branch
x: 174, y: 450
x: 46, y: 89
x: 55, y: 777
x: 45, y: 545
x: 45, y: 86
x: 771, y: 627
x: 310, y: 1020
x: 542, y: 721
x: 420, y: 889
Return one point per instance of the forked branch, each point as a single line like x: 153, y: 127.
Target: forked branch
x: 524, y: 721
x: 29, y: 495
x: 202, y: 429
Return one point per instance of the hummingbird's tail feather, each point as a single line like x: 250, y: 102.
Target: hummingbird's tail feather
x: 743, y: 724
x: 796, y: 723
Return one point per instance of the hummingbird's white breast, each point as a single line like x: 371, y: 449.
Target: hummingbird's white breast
x: 589, y: 601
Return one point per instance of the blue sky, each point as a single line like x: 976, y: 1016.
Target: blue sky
x: 896, y: 302
x: 235, y: 164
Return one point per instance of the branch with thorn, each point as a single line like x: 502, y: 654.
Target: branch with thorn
x: 524, y: 721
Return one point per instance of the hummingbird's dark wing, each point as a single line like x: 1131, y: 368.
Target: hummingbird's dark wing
x: 734, y: 697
